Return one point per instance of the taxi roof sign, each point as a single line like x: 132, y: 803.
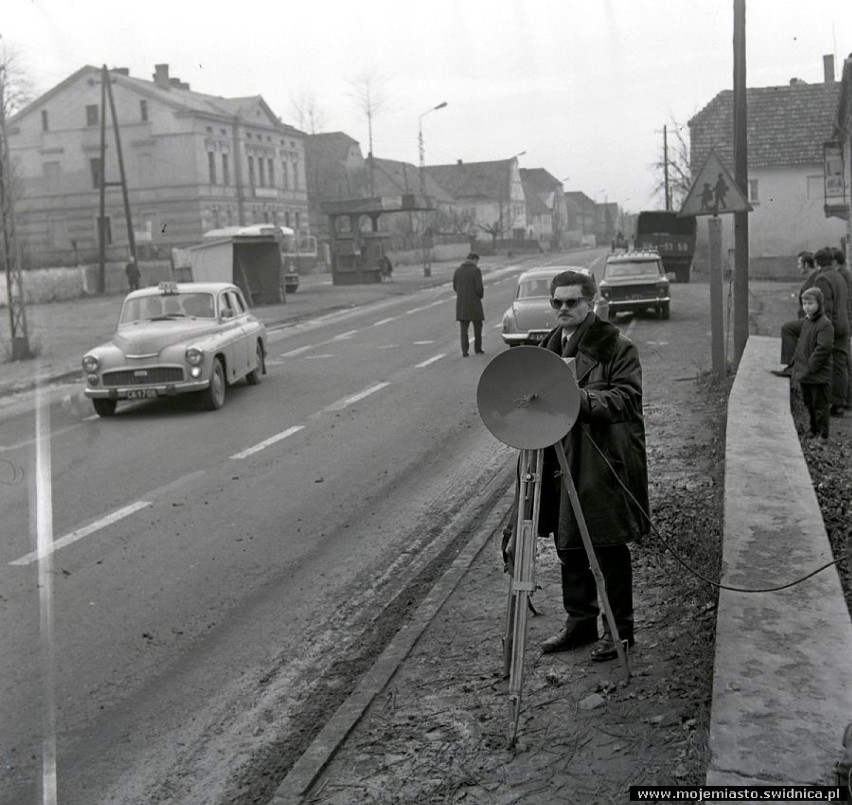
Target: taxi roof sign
x: 714, y: 191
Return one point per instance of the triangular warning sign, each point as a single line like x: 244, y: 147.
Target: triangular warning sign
x: 714, y: 191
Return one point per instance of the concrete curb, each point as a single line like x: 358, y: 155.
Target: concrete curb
x: 306, y: 771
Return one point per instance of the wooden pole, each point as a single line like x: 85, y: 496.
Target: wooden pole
x: 717, y: 327
x: 131, y: 240
x: 102, y: 184
x: 741, y: 178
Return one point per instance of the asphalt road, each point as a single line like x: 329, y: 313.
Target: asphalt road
x: 223, y: 578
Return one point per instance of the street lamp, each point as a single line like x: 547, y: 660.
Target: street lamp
x: 427, y: 259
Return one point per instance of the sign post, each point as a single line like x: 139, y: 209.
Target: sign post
x: 714, y: 192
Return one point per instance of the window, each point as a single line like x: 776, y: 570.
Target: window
x: 95, y: 165
x: 107, y: 230
x: 753, y: 195
x: 270, y: 163
x: 143, y: 110
x: 211, y: 166
x: 295, y: 175
x: 287, y: 218
x: 285, y: 176
x: 44, y: 125
x: 217, y: 218
x: 260, y: 172
x: 92, y: 115
x: 226, y: 170
x: 251, y: 171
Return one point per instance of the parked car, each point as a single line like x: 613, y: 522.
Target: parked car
x: 634, y: 281
x: 177, y: 338
x: 531, y: 318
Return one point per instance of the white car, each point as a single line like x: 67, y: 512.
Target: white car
x: 531, y: 318
x: 177, y: 338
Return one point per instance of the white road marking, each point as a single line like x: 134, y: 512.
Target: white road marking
x: 314, y: 357
x: 249, y: 451
x: 414, y: 310
x: 418, y: 343
x: 74, y: 536
x: 431, y: 360
x: 344, y: 336
x: 346, y: 401
x: 385, y: 321
x: 294, y: 352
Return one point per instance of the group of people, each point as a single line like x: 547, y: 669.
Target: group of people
x: 815, y: 346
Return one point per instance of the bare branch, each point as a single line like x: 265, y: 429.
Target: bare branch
x: 308, y: 112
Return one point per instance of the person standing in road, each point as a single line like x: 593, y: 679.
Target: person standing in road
x: 131, y: 270
x: 608, y: 461
x: 790, y: 329
x: 467, y: 283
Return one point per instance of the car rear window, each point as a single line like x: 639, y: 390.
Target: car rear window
x: 193, y: 305
x: 531, y: 288
x: 630, y: 268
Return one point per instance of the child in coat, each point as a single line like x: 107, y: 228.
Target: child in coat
x: 812, y: 362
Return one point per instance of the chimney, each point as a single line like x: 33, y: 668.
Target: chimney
x: 161, y: 76
x: 459, y: 162
x: 828, y: 68
x: 178, y: 84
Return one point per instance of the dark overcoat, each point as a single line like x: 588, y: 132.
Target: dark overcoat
x: 812, y: 358
x: 611, y: 423
x: 467, y: 283
x: 834, y: 293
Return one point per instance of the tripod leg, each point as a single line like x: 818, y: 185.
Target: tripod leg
x: 593, y: 560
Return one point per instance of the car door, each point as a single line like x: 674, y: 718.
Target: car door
x: 243, y: 355
x: 231, y: 336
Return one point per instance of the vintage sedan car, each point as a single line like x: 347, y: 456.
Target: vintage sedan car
x: 531, y: 318
x: 177, y: 338
x: 635, y: 281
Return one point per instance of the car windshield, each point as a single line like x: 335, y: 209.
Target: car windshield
x: 534, y: 287
x: 168, y: 306
x: 633, y: 268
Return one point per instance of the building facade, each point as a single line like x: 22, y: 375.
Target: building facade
x: 192, y: 162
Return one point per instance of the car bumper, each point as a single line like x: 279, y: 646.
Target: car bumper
x: 638, y: 304
x: 531, y: 338
x: 143, y: 392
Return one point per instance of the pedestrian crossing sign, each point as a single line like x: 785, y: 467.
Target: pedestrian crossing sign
x: 714, y: 191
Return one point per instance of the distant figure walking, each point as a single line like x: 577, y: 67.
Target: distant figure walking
x: 133, y: 275
x: 386, y: 267
x: 719, y: 192
x: 467, y: 283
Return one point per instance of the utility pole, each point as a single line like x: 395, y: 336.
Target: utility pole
x: 11, y: 253
x: 106, y: 92
x: 741, y: 178
x: 666, y: 167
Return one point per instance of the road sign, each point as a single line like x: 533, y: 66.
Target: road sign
x: 714, y: 191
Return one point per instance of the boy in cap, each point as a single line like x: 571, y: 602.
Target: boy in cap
x: 812, y: 362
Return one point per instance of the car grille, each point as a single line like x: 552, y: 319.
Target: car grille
x: 143, y: 376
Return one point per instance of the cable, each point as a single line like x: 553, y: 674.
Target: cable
x: 674, y: 553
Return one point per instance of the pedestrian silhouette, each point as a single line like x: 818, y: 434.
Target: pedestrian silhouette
x: 719, y: 191
x: 706, y: 196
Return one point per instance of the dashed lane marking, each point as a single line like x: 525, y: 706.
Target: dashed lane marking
x: 347, y: 401
x: 250, y: 451
x: 344, y: 336
x: 431, y: 360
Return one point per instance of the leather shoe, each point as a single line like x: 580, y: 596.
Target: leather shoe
x: 480, y: 352
x: 576, y: 633
x: 787, y: 371
x: 605, y: 648
x: 837, y: 410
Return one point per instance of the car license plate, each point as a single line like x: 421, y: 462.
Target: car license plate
x: 537, y: 337
x: 141, y: 394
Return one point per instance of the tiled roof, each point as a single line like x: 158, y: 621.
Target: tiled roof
x: 473, y: 180
x: 542, y: 180
x: 535, y: 205
x: 392, y: 177
x: 787, y: 125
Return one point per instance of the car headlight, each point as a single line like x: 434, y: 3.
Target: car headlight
x: 91, y: 364
x: 194, y: 356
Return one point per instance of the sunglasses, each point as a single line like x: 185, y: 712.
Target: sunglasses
x: 558, y: 304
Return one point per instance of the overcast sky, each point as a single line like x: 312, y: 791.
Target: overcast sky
x: 584, y: 88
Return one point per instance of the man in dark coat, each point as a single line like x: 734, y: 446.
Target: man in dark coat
x: 834, y: 294
x: 467, y: 283
x: 790, y: 329
x: 131, y: 270
x: 606, y: 454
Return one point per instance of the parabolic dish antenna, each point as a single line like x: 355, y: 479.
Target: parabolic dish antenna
x: 528, y: 398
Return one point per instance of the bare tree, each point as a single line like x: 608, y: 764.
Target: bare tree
x: 18, y: 89
x: 308, y: 112
x: 679, y: 173
x: 370, y: 91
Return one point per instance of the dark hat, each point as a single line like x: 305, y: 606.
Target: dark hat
x: 473, y: 256
x: 815, y: 293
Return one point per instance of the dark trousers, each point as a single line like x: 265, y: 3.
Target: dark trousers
x: 464, y: 326
x: 580, y: 592
x: 839, y: 371
x: 817, y: 399
x: 789, y: 338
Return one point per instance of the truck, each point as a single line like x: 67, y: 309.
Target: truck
x: 671, y: 236
x: 257, y: 259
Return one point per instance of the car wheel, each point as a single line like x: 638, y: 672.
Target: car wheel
x: 664, y: 311
x: 254, y: 376
x: 213, y: 397
x: 104, y: 407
